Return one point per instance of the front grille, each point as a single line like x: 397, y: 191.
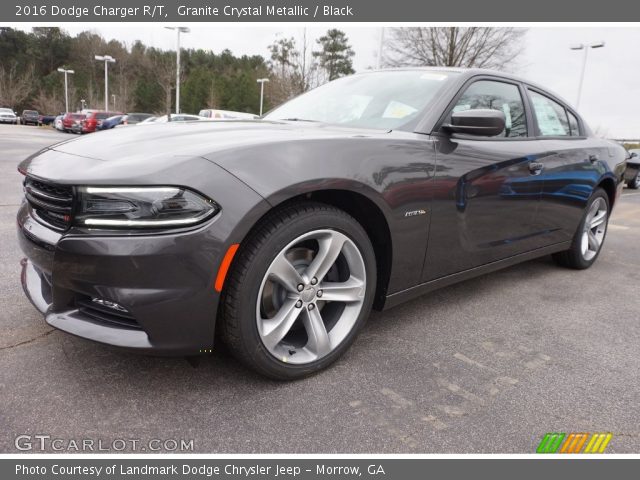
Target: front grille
x: 53, y: 204
x: 105, y: 315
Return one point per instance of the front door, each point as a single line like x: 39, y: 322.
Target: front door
x: 487, y: 190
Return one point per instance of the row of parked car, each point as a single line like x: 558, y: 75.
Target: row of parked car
x: 7, y: 115
x: 88, y: 121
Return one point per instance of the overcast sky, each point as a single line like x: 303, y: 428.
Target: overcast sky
x: 611, y: 93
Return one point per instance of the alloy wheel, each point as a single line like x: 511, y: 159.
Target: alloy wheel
x: 311, y: 296
x: 595, y: 227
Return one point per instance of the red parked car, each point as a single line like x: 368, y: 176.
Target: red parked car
x: 94, y: 120
x: 72, y: 122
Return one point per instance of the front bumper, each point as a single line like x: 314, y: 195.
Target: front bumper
x: 164, y: 282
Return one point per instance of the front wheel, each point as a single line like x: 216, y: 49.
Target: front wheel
x: 634, y: 183
x: 589, y: 238
x: 299, y: 291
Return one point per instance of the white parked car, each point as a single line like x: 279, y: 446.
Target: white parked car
x: 225, y: 114
x: 57, y: 123
x: 8, y: 116
x: 180, y: 117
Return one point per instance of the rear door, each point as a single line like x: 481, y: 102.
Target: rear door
x: 572, y: 164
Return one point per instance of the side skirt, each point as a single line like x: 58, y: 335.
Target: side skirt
x: 410, y: 293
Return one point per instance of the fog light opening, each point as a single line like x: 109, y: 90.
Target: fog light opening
x: 109, y: 304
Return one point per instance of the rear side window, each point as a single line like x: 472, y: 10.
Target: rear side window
x: 551, y: 116
x: 505, y: 97
x: 573, y: 124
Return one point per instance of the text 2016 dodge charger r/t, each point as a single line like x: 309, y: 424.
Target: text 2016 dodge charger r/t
x: 280, y: 234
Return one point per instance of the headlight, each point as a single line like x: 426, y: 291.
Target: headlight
x: 141, y: 207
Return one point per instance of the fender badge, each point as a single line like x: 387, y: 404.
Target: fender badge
x: 414, y: 213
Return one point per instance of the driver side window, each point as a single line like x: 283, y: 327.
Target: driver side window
x: 493, y: 95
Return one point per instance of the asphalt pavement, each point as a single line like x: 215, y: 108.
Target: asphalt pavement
x: 486, y: 366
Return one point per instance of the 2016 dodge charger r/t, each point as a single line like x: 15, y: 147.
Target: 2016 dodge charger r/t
x: 280, y: 234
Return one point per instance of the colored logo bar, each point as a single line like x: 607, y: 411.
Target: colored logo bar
x: 574, y: 443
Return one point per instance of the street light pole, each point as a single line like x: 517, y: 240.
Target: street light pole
x: 262, y: 81
x: 584, y: 64
x: 107, y: 59
x: 113, y: 97
x: 66, y: 87
x: 380, y: 47
x: 178, y: 31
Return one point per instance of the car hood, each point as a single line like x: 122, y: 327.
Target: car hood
x: 134, y: 152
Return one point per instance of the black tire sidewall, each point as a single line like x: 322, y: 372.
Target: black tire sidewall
x: 315, y: 219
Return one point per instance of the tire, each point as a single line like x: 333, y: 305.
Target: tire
x: 316, y: 331
x: 634, y: 183
x: 586, y: 247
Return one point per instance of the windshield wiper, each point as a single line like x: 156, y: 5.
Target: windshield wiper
x: 298, y: 120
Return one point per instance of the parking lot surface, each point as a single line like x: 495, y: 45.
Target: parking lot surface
x: 488, y: 365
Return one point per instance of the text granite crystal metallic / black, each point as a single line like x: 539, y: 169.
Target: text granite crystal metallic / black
x: 279, y: 235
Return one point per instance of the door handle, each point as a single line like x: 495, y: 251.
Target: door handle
x: 535, y: 168
x: 593, y: 158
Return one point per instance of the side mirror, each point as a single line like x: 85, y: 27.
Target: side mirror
x: 482, y: 122
x: 633, y: 155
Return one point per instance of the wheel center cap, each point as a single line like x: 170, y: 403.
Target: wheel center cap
x: 308, y: 294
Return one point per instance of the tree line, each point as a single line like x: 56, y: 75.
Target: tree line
x: 143, y: 78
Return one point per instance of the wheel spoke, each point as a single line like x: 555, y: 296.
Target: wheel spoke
x: 330, y: 248
x: 319, y: 342
x: 598, y: 219
x: 284, y: 273
x: 350, y: 291
x: 274, y: 329
x: 593, y: 241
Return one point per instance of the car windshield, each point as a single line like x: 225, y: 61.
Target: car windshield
x: 385, y: 100
x: 6, y: 110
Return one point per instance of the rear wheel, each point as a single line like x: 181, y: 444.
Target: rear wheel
x: 299, y: 291
x: 589, y: 238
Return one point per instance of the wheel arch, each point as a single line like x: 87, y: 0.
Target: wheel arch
x: 609, y: 186
x: 367, y: 213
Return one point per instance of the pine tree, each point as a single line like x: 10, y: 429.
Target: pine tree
x: 336, y: 54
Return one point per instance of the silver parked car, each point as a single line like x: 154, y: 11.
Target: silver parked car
x: 7, y: 115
